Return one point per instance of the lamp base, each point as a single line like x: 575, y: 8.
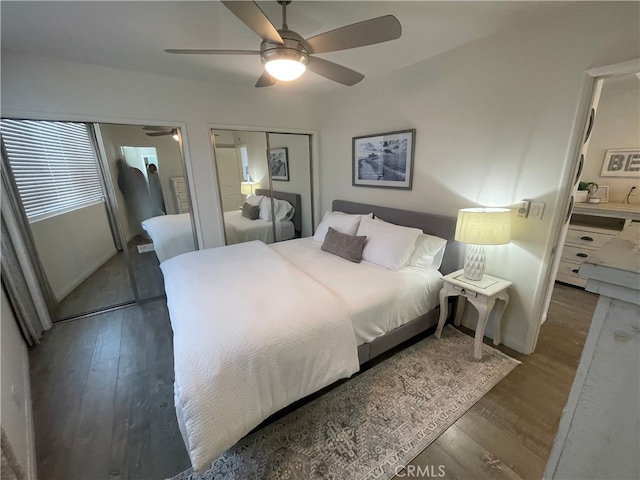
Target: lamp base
x: 474, y: 263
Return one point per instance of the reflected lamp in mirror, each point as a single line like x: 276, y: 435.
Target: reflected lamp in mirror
x: 247, y: 188
x: 478, y: 227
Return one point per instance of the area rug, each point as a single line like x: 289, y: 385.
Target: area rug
x: 374, y: 424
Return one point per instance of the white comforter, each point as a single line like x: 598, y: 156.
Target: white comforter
x: 172, y: 235
x: 378, y: 299
x: 252, y: 334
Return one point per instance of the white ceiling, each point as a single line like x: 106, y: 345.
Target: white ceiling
x: 132, y: 35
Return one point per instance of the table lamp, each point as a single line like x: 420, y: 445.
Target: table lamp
x: 478, y: 227
x: 246, y: 188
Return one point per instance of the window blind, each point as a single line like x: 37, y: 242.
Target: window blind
x: 54, y: 165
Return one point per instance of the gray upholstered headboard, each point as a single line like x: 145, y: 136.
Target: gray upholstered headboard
x: 294, y: 199
x: 439, y: 225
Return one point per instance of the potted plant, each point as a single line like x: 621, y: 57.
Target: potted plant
x: 584, y: 190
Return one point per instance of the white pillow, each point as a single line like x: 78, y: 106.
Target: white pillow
x: 254, y: 200
x: 341, y: 222
x: 265, y: 209
x: 282, y: 209
x: 428, y: 253
x: 388, y: 245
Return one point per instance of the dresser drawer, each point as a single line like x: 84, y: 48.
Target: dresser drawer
x: 568, y: 273
x: 587, y: 238
x: 574, y: 254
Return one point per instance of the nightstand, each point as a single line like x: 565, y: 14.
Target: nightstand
x: 481, y: 294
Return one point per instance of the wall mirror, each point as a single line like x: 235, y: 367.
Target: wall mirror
x: 264, y: 180
x: 87, y: 189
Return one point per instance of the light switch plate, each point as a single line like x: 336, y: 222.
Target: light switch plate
x: 536, y: 210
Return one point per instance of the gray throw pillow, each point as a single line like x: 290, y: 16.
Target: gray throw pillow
x: 343, y: 245
x: 250, y: 211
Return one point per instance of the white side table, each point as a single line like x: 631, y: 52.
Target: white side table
x: 481, y: 294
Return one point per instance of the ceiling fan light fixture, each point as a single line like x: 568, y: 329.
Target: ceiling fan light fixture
x: 284, y: 69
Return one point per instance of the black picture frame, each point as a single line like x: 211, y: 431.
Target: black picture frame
x: 279, y: 164
x: 384, y: 160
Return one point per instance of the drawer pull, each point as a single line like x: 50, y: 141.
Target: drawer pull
x: 576, y: 270
x: 463, y: 291
x: 586, y: 239
x: 581, y: 255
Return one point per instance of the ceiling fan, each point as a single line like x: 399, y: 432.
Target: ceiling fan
x: 162, y: 131
x: 286, y: 55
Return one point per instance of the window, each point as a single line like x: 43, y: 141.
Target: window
x: 54, y: 165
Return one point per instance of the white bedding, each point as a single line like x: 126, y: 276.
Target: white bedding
x: 244, y: 348
x: 241, y: 229
x: 378, y: 299
x: 171, y: 235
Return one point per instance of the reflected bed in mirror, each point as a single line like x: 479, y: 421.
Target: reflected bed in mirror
x: 172, y: 234
x: 288, y: 223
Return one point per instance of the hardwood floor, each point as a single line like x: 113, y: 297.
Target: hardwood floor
x: 103, y: 400
x: 110, y: 284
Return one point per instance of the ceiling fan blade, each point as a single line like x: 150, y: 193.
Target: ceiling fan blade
x: 204, y: 51
x: 156, y: 129
x: 254, y: 18
x: 333, y: 71
x: 368, y: 32
x: 158, y: 134
x: 265, y: 80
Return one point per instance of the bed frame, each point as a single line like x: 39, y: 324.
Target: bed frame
x: 438, y: 225
x: 294, y: 199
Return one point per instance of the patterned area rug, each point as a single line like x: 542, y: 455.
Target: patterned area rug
x: 372, y: 425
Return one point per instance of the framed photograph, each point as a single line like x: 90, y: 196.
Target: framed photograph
x: 621, y: 163
x: 279, y: 164
x: 384, y: 160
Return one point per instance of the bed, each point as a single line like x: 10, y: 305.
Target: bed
x: 172, y: 235
x: 257, y: 327
x: 240, y: 229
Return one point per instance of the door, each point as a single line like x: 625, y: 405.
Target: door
x: 229, y: 178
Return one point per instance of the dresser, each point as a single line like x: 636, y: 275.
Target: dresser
x: 180, y: 194
x: 590, y: 228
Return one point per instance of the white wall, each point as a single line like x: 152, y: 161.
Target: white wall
x: 49, y: 88
x: 73, y: 245
x: 16, y: 416
x: 494, y: 120
x: 617, y: 125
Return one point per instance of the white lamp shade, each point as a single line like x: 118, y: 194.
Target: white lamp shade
x: 484, y: 226
x: 285, y: 69
x: 246, y: 188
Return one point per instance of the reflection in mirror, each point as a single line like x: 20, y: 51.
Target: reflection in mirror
x: 290, y: 164
x: 148, y: 175
x: 88, y: 190
x: 62, y: 190
x: 245, y: 189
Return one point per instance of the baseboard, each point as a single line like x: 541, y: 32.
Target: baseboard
x: 84, y: 275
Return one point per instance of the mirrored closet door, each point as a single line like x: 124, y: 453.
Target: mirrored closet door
x: 86, y: 189
x: 264, y: 180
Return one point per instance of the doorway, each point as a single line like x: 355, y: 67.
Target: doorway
x: 611, y: 123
